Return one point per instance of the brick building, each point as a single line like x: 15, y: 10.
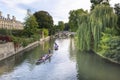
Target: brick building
x: 7, y: 23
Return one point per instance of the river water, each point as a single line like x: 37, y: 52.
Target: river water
x: 66, y: 63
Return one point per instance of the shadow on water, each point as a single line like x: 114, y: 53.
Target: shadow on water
x: 92, y: 67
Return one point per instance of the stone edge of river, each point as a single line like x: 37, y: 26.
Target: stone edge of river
x: 34, y: 44
x: 111, y: 60
x: 7, y: 54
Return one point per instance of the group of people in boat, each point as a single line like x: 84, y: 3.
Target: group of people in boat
x: 46, y: 56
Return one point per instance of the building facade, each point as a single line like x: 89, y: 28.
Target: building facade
x: 7, y: 23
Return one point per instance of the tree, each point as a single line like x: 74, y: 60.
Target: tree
x: 30, y: 25
x: 73, y: 18
x: 96, y: 2
x: 117, y: 11
x: 61, y: 25
x: 56, y: 29
x: 91, y: 26
x: 44, y: 20
x: 67, y: 27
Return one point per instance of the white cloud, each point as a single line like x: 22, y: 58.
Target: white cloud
x: 112, y: 2
x: 12, y: 7
x: 15, y: 2
x: 58, y: 9
x: 63, y: 8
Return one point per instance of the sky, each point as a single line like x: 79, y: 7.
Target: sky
x: 58, y: 9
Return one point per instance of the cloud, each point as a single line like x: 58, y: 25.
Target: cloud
x: 63, y: 8
x: 113, y: 2
x: 58, y: 9
x: 15, y: 7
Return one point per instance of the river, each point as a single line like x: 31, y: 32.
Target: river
x: 66, y: 63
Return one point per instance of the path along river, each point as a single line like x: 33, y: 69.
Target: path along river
x: 66, y: 64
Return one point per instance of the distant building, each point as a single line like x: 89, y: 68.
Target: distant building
x: 7, y: 23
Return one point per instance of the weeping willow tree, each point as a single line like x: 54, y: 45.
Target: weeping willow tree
x: 92, y: 25
x: 100, y: 18
x: 83, y: 32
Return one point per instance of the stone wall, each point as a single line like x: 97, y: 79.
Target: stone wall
x: 27, y: 48
x: 6, y: 50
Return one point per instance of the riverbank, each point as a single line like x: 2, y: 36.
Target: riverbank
x: 8, y: 49
x: 108, y: 59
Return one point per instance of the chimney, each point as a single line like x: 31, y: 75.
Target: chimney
x: 13, y: 18
x: 8, y: 16
x: 0, y: 13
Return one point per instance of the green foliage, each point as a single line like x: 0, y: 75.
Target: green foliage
x: 36, y: 37
x: 29, y: 34
x: 26, y: 36
x: 30, y: 25
x: 53, y: 30
x: 98, y: 30
x: 117, y: 11
x: 45, y: 31
x: 67, y: 27
x: 24, y: 41
x: 16, y: 39
x: 5, y: 32
x: 94, y: 3
x: 27, y: 41
x: 73, y: 18
x: 83, y: 32
x: 100, y: 18
x: 92, y: 25
x: 61, y: 25
x: 110, y: 45
x: 44, y: 20
x: 97, y: 2
x: 56, y: 29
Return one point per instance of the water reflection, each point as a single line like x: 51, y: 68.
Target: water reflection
x: 65, y: 64
x: 92, y: 67
x: 30, y: 57
x: 72, y: 50
x: 8, y: 64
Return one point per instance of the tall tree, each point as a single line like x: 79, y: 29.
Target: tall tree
x: 67, y: 27
x: 92, y: 25
x: 61, y: 25
x: 73, y: 18
x: 44, y: 20
x: 30, y: 25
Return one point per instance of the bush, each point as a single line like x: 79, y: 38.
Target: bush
x: 110, y: 46
x: 45, y: 31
